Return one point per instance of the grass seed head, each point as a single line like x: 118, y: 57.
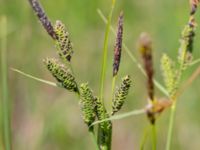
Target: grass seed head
x: 62, y: 74
x: 145, y: 47
x: 87, y: 103
x: 118, y: 45
x: 63, y: 43
x: 121, y: 94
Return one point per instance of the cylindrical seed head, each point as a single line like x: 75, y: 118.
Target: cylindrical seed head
x: 118, y: 45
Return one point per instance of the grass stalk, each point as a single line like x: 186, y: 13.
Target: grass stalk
x: 35, y: 78
x: 92, y: 134
x: 144, y: 138
x: 171, y: 123
x: 103, y: 74
x: 105, y: 51
x: 4, y: 74
x: 154, y: 137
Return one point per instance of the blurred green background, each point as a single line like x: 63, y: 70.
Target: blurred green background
x: 48, y: 118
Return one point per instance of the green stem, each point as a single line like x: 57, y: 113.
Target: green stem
x: 112, y: 89
x: 35, y: 78
x: 144, y: 138
x: 106, y: 143
x: 105, y: 51
x: 154, y: 137
x: 92, y: 134
x: 171, y: 123
x: 4, y: 72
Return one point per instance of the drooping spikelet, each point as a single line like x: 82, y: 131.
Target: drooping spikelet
x: 102, y: 114
x: 63, y: 43
x: 121, y: 94
x: 62, y: 74
x: 87, y: 103
x: 43, y: 18
x: 170, y: 75
x: 145, y: 47
x: 118, y: 45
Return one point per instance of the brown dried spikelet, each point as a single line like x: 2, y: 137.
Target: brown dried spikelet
x: 145, y: 47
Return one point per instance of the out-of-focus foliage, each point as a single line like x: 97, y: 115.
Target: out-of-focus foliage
x: 48, y: 118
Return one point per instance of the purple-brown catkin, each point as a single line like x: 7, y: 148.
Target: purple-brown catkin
x: 43, y: 18
x: 146, y: 51
x: 118, y: 45
x: 194, y: 4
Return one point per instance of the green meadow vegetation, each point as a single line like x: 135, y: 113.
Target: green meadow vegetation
x: 99, y: 75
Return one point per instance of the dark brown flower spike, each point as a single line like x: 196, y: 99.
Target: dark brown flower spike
x: 43, y: 18
x: 118, y: 45
x: 145, y: 46
x: 193, y: 6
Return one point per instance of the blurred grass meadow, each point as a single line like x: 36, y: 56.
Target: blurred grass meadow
x: 48, y: 118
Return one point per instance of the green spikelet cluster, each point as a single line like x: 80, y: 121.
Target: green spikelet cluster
x: 121, y: 94
x: 87, y: 104
x: 186, y: 47
x: 62, y: 74
x: 63, y: 43
x: 102, y: 114
x: 170, y: 75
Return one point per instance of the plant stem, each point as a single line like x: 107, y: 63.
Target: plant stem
x: 92, y: 134
x: 107, y: 143
x: 170, y: 129
x: 4, y: 73
x: 144, y: 138
x: 154, y: 137
x: 35, y: 78
x: 112, y: 89
x: 105, y: 51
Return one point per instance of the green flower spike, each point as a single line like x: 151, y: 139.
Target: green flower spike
x: 169, y: 73
x: 121, y: 94
x: 62, y: 74
x: 186, y: 41
x: 63, y: 43
x: 102, y: 114
x: 87, y: 104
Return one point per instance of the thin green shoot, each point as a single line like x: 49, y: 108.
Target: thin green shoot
x: 154, y: 137
x: 122, y: 116
x: 194, y: 62
x: 144, y: 138
x: 4, y: 87
x: 35, y: 78
x: 105, y: 51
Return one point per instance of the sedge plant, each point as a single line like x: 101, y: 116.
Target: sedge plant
x: 93, y: 109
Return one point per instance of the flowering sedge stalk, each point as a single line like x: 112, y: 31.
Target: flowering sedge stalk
x: 185, y: 55
x: 121, y: 94
x: 117, y: 51
x: 87, y: 103
x: 118, y: 45
x: 63, y: 43
x: 43, y: 17
x: 169, y: 75
x: 186, y: 47
x: 62, y: 74
x: 146, y: 52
